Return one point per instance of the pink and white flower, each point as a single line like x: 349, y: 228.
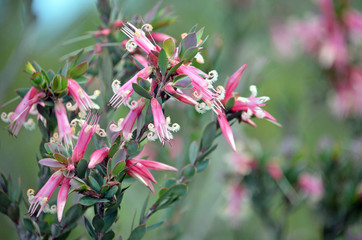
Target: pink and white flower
x: 203, y: 89
x: 98, y: 156
x: 138, y: 38
x: 123, y: 93
x: 82, y: 100
x: 226, y: 129
x: 252, y: 106
x: 126, y: 125
x: 138, y: 169
x: 89, y: 128
x: 17, y: 119
x: 179, y: 95
x: 161, y: 128
x: 64, y: 172
x: 64, y: 129
x: 311, y: 186
x: 232, y: 83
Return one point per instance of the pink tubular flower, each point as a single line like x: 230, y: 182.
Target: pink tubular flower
x: 126, y: 125
x: 81, y: 98
x: 203, y: 88
x: 138, y: 169
x: 104, y: 32
x: 312, y: 186
x: 64, y: 173
x: 138, y: 38
x: 232, y: 83
x: 42, y: 197
x: 64, y: 129
x: 275, y: 171
x: 241, y: 163
x: 123, y: 93
x: 161, y: 127
x: 160, y: 37
x: 18, y: 118
x: 252, y: 106
x: 236, y: 199
x: 226, y: 129
x: 85, y: 135
x: 62, y: 197
x: 348, y: 100
x: 118, y: 23
x: 98, y: 156
x: 143, y: 61
x: 353, y: 20
x: 179, y: 95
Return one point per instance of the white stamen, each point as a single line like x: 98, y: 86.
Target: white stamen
x: 131, y: 45
x: 253, y: 90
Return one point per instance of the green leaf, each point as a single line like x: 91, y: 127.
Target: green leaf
x: 199, y: 34
x: 59, y: 84
x: 111, y: 192
x: 202, y: 43
x: 190, y: 54
x: 36, y: 66
x: 118, y: 168
x: 170, y: 182
x: 144, y: 84
x: 22, y: 92
x: 108, y: 235
x: 82, y: 168
x: 162, y: 191
x: 81, y: 79
x: 29, y: 225
x: 208, y: 136
x: 65, y: 68
x: 193, y: 29
x: 173, y: 69
x: 141, y: 91
x: 44, y: 227
x: 138, y: 232
x: 29, y: 68
x: 188, y: 171
x: 193, y: 150
x: 89, y: 228
x: 202, y: 165
x: 78, y: 70
x: 4, y: 202
x: 73, y: 214
x: 43, y: 129
x: 89, y: 201
x: 37, y: 80
x: 14, y: 212
x: 162, y: 62
x: 156, y: 225
x: 132, y: 148
x: 182, y: 81
x: 113, y: 150
x: 179, y: 189
x: 169, y: 46
x: 98, y: 223
x: 60, y: 158
x: 189, y: 41
x: 230, y: 103
x: 110, y: 218
x: 94, y: 184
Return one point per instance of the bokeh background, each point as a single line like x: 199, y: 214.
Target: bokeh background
x: 239, y: 32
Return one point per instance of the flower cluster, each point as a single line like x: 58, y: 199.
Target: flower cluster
x: 332, y: 37
x: 166, y: 72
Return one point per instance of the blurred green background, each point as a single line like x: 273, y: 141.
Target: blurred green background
x: 36, y: 30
